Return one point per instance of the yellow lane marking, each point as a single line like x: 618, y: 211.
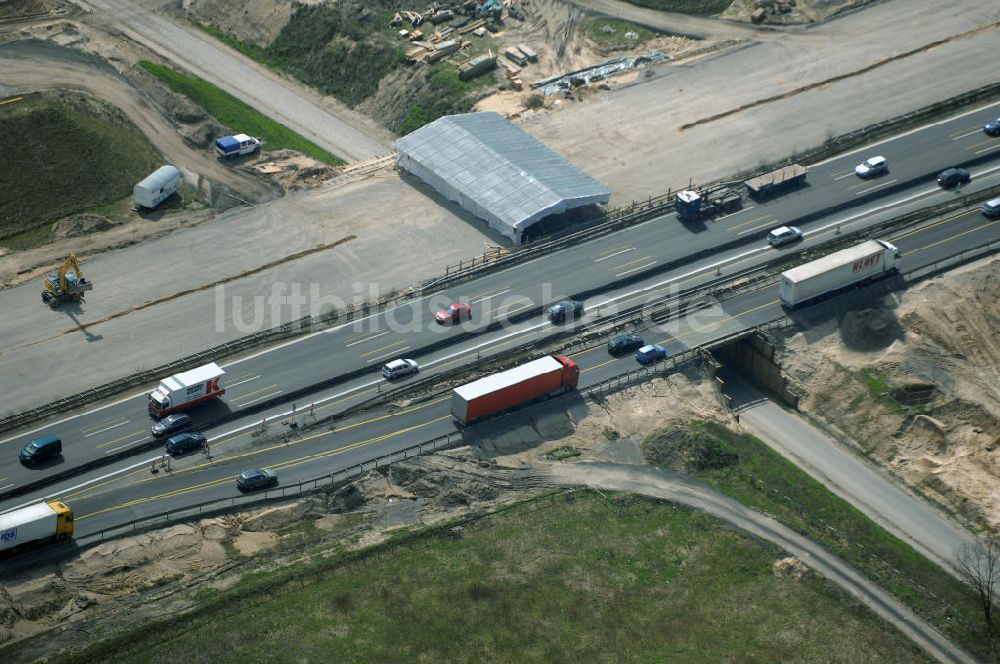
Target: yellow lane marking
x: 10, y: 101
x: 747, y: 223
x: 250, y: 394
x: 125, y: 437
x: 637, y: 260
x: 103, y: 425
x: 396, y: 344
x: 321, y: 455
x: 755, y: 228
x: 957, y: 235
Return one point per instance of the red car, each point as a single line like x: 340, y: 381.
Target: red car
x: 453, y: 313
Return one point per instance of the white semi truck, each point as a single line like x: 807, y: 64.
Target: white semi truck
x: 187, y: 389
x: 863, y: 262
x: 35, y: 525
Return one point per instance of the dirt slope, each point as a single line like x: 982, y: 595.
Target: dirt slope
x: 940, y: 338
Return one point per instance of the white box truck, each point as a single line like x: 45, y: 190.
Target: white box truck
x: 34, y: 525
x: 863, y: 262
x: 187, y: 389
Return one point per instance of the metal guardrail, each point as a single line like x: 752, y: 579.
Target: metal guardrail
x: 626, y: 216
x: 248, y: 500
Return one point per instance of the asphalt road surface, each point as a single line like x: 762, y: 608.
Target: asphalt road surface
x: 126, y: 490
x: 75, y: 350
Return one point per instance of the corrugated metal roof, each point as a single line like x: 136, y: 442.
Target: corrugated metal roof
x: 831, y: 261
x: 487, y: 384
x: 499, y: 167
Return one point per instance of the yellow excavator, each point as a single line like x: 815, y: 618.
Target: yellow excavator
x: 66, y: 285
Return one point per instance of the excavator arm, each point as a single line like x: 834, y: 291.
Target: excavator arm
x: 68, y: 283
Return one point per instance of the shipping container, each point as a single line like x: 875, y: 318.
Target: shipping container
x: 863, y: 262
x: 187, y: 389
x: 35, y: 525
x: 514, y: 387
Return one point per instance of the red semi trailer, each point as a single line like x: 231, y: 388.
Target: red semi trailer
x: 503, y: 391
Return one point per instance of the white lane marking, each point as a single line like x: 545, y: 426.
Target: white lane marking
x: 726, y: 216
x: 617, y: 253
x: 636, y: 269
x: 878, y: 186
x: 374, y: 336
x: 121, y: 447
x: 6, y: 487
x: 483, y: 299
x: 113, y: 426
x: 266, y: 396
x: 968, y: 133
x: 846, y: 175
x: 387, y: 355
x: 871, y: 146
x: 987, y: 149
x: 240, y: 382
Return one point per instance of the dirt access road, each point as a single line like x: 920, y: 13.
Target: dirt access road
x: 322, y: 120
x: 684, y: 491
x: 33, y: 66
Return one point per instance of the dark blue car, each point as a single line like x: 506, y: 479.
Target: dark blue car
x: 992, y: 128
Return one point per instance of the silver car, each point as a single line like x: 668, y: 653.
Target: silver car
x: 783, y: 235
x: 871, y: 167
x: 398, y: 368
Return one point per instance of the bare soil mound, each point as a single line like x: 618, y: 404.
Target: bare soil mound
x: 926, y: 404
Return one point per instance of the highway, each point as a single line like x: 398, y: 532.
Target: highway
x: 343, y: 361
x: 127, y: 490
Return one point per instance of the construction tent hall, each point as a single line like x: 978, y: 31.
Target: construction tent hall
x: 501, y: 174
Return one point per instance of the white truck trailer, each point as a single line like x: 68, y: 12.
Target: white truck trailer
x: 187, y: 389
x: 863, y: 262
x: 34, y: 525
x: 157, y: 187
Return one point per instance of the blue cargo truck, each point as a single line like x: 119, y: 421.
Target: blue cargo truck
x: 239, y: 144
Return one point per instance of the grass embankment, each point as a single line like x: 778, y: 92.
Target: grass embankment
x: 617, y: 40
x: 333, y: 49
x: 696, y: 7
x: 232, y: 112
x: 744, y: 468
x: 575, y: 578
x: 60, y: 160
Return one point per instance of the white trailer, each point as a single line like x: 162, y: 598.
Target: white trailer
x: 157, y: 187
x: 863, y: 262
x: 35, y: 524
x: 186, y: 389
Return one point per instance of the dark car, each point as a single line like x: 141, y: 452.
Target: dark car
x: 624, y: 343
x: 257, y: 478
x: 453, y: 313
x: 185, y: 442
x: 991, y: 208
x: 40, y: 449
x: 992, y: 128
x: 953, y: 177
x: 567, y: 309
x: 170, y: 424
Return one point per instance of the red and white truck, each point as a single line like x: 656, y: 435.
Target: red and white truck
x: 35, y: 525
x: 187, y: 389
x: 838, y: 270
x: 505, y: 390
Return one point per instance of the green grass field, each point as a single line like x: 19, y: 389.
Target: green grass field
x: 232, y: 112
x: 616, y: 38
x: 59, y: 160
x: 571, y: 578
x: 743, y: 467
x: 696, y: 7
